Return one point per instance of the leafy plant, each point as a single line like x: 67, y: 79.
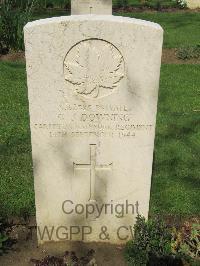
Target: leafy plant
x: 182, y: 3
x: 156, y: 244
x: 12, y: 21
x: 185, y: 53
x: 151, y: 241
x: 186, y: 241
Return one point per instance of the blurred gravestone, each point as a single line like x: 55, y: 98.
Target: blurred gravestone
x: 99, y: 7
x: 192, y: 4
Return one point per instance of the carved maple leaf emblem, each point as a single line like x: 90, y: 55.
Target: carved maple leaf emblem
x: 94, y: 67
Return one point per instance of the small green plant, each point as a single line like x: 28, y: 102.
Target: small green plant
x: 186, y: 53
x: 182, y: 3
x: 186, y: 241
x: 156, y: 244
x: 151, y: 241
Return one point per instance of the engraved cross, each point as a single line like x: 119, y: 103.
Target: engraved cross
x: 93, y: 167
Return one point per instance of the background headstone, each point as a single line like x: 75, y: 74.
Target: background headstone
x: 192, y: 4
x: 93, y: 88
x: 100, y: 7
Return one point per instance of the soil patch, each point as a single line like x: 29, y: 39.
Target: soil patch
x: 26, y: 249
x: 13, y: 56
x: 169, y: 57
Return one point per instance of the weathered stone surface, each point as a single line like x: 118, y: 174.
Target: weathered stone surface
x: 99, y: 7
x: 93, y: 87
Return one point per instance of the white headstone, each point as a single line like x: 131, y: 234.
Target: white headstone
x: 93, y: 88
x: 99, y: 7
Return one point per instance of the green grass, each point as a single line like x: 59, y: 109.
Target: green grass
x: 180, y: 28
x: 16, y: 179
x: 149, y: 3
x: 176, y: 175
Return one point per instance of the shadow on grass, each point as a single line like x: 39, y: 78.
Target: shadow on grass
x: 176, y: 167
x: 15, y: 146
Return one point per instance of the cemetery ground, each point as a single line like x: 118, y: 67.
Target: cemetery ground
x: 175, y: 181
x: 175, y: 187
